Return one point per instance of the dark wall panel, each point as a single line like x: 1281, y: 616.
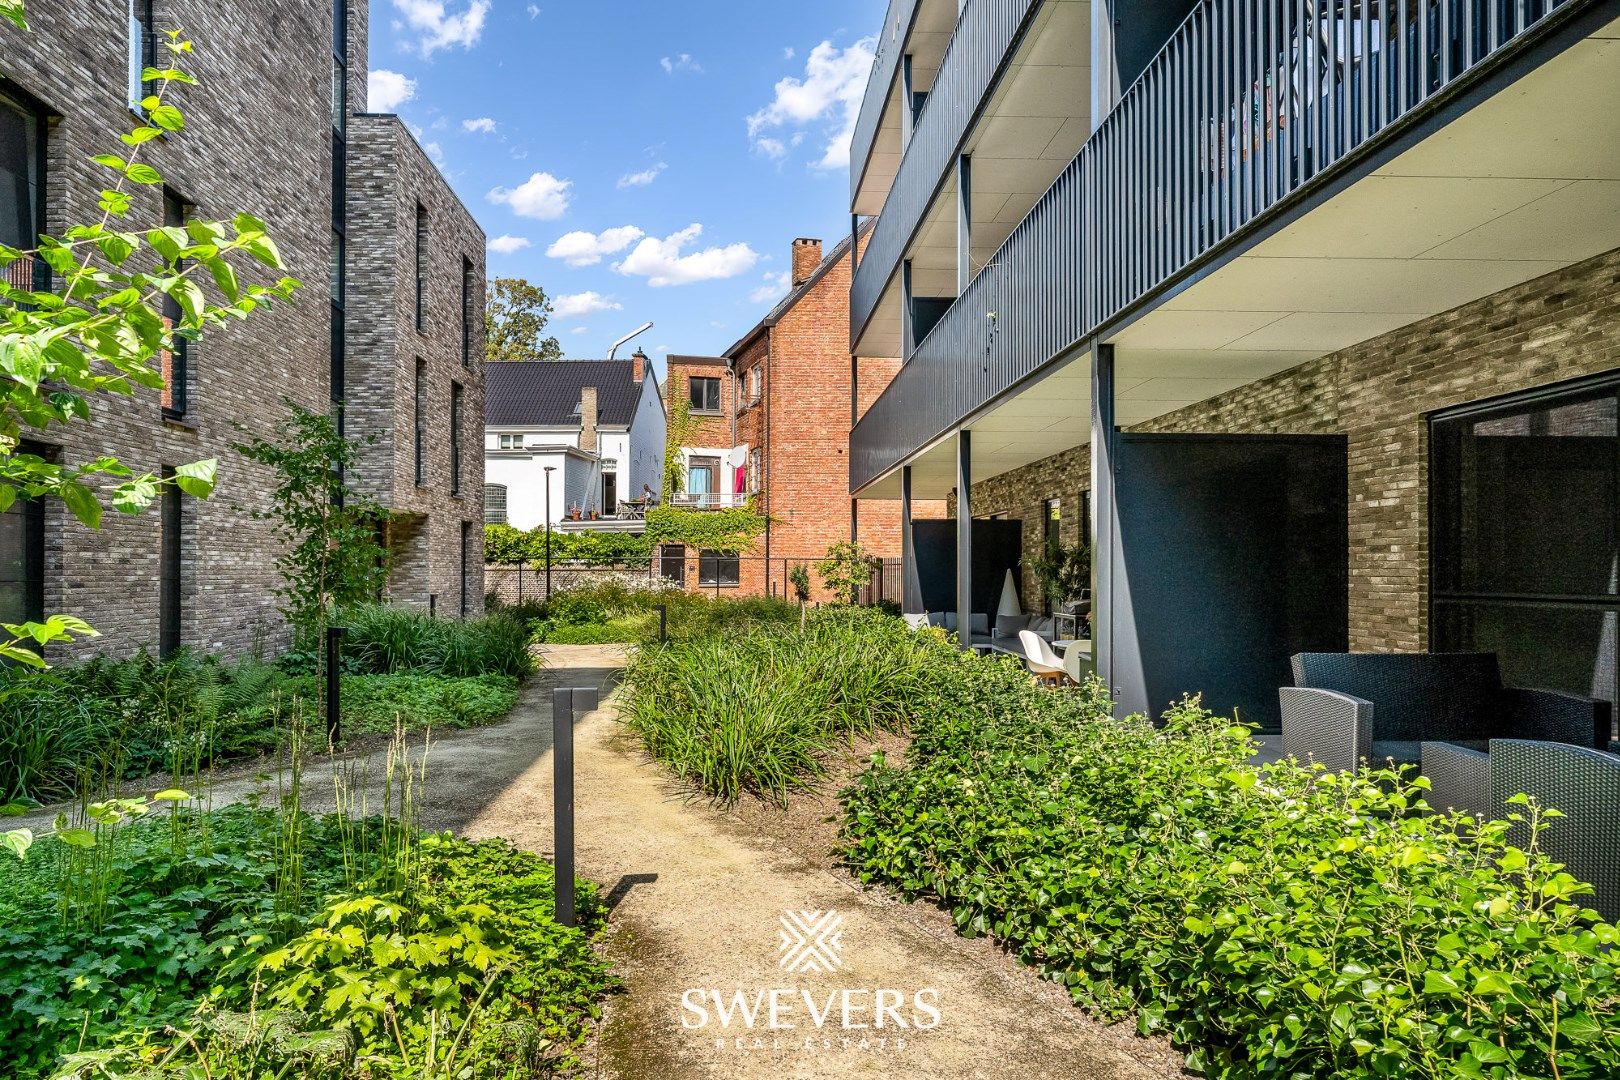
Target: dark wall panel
x: 997, y: 547
x: 1233, y: 556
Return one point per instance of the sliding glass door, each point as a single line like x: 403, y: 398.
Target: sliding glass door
x: 1525, y: 534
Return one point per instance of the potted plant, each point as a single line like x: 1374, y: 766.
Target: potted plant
x: 573, y: 512
x: 1064, y: 573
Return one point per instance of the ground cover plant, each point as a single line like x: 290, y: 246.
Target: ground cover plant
x: 757, y: 710
x: 391, y: 954
x: 1276, y: 921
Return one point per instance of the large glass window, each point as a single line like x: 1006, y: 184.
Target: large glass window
x: 1525, y: 534
x: 495, y: 504
x: 718, y: 568
x: 421, y: 267
x: 170, y: 563
x: 142, y: 49
x: 22, y: 562
x: 20, y: 167
x: 469, y: 282
x: 455, y: 438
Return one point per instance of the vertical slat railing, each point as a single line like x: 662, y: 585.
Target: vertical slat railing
x: 1248, y: 101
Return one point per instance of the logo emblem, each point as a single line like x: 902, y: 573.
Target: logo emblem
x: 811, y: 941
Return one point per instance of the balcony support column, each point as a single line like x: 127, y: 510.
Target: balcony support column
x: 910, y: 584
x: 964, y: 538
x: 964, y: 222
x: 906, y: 97
x: 907, y: 335
x: 1104, y: 511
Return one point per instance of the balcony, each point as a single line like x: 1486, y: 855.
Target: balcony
x: 1255, y: 114
x: 711, y: 500
x: 879, y: 106
x: 978, y: 53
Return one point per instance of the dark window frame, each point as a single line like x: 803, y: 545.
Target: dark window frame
x: 142, y: 51
x: 698, y: 401
x: 719, y: 569
x: 455, y: 437
x: 171, y: 566
x: 419, y: 423
x: 466, y: 565
x: 175, y: 398
x: 421, y: 268
x: 467, y: 313
x: 36, y: 117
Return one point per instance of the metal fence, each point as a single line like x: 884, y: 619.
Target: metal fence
x: 706, y: 572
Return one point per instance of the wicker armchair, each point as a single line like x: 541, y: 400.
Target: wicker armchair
x: 1346, y: 708
x: 1581, y: 783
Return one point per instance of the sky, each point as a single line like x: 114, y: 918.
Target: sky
x: 638, y: 160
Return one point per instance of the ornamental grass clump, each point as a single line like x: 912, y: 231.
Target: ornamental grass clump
x: 1276, y: 921
x: 757, y: 711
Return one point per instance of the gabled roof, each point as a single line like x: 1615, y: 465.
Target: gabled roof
x: 545, y: 393
x: 774, y: 316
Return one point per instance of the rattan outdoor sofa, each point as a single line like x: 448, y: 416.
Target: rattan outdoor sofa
x: 1346, y: 708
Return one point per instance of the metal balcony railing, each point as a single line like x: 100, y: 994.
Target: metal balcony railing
x: 709, y: 500
x: 1249, y: 102
x: 984, y: 41
x: 891, y: 46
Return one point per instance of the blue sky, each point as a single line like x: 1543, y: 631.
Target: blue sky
x: 637, y: 160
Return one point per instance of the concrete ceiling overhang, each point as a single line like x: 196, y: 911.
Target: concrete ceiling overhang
x: 1037, y: 119
x: 930, y: 36
x: 1524, y: 184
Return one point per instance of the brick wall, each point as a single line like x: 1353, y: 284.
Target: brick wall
x: 1557, y: 327
x: 258, y: 138
x: 389, y: 177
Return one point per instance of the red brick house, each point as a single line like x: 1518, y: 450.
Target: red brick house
x: 771, y: 419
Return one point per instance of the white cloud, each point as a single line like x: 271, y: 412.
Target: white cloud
x: 642, y: 178
x: 534, y: 12
x: 775, y: 287
x: 827, y: 97
x: 483, y: 125
x: 507, y: 243
x: 787, y: 52
x: 682, y: 63
x: 541, y: 196
x: 578, y: 305
x: 661, y: 349
x: 388, y: 90
x: 434, y: 151
x: 437, y: 28
x: 588, y: 249
x: 662, y: 263
x: 580, y: 330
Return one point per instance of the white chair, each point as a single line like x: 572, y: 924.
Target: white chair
x: 1078, y: 661
x: 1043, y: 662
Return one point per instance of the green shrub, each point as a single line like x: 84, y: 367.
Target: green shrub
x: 757, y: 710
x: 628, y: 630
x: 196, y: 943
x: 371, y: 703
x: 1279, y: 921
x: 506, y: 546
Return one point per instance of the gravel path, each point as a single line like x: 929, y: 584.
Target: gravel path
x: 697, y: 897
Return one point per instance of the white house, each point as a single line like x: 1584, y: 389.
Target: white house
x: 591, y: 429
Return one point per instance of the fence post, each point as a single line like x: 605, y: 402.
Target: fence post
x: 564, y: 703
x: 663, y: 622
x: 334, y: 663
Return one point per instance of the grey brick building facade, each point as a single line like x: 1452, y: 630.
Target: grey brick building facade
x: 259, y: 137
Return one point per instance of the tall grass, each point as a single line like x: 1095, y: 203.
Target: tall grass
x: 612, y: 613
x: 757, y: 711
x: 383, y: 639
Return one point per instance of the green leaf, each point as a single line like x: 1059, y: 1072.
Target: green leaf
x: 13, y: 10
x: 18, y: 841
x: 115, y: 247
x: 141, y: 135
x: 197, y: 478
x: 167, y: 117
x: 82, y: 502
x: 79, y: 838
x: 225, y: 278
x: 172, y: 795
x: 112, y: 161
x: 142, y: 173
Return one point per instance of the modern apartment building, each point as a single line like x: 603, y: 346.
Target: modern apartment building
x: 274, y: 127
x: 770, y: 421
x: 1305, y: 315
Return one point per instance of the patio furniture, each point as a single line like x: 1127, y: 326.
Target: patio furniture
x: 1581, y: 783
x: 1078, y: 662
x: 1346, y: 708
x: 1043, y: 663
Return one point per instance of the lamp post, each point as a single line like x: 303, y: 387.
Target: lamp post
x: 549, y: 469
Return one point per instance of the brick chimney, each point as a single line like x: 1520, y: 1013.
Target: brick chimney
x: 638, y: 365
x: 587, y: 419
x: 806, y: 257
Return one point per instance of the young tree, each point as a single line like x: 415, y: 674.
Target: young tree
x: 331, y: 557
x: 92, y: 323
x: 846, y: 570
x: 515, y: 315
